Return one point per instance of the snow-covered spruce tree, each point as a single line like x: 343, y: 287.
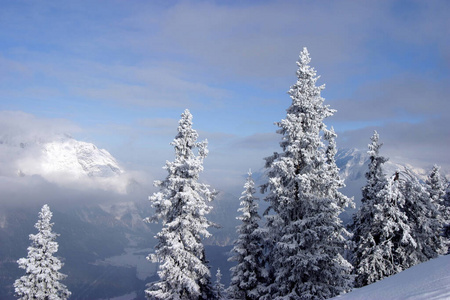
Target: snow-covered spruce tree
x: 302, y: 190
x: 248, y: 274
x: 42, y: 279
x: 219, y: 288
x: 381, y: 232
x: 363, y: 221
x: 438, y: 188
x: 395, y: 234
x: 376, y: 179
x: 436, y: 185
x: 424, y: 220
x: 181, y: 206
x: 446, y: 217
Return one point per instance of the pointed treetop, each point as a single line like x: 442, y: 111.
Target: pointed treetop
x: 185, y: 124
x: 45, y: 212
x: 304, y: 93
x: 436, y: 184
x: 186, y: 115
x: 45, y: 208
x: 305, y: 71
x: 375, y: 146
x: 186, y: 139
x: 375, y: 136
x: 218, y: 275
x: 304, y: 56
x: 44, y: 225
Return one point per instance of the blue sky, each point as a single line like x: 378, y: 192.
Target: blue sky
x: 120, y: 73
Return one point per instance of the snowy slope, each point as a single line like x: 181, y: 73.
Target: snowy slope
x: 427, y: 281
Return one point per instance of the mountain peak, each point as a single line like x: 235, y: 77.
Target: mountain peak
x: 61, y: 159
x: 79, y: 159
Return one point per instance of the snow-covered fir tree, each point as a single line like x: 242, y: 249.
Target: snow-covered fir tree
x: 436, y: 185
x: 376, y: 179
x: 219, y: 287
x: 42, y: 279
x: 364, y: 219
x: 181, y: 206
x: 380, y: 227
x: 395, y: 234
x: 248, y: 274
x: 446, y: 217
x: 424, y: 220
x: 438, y: 188
x: 302, y: 190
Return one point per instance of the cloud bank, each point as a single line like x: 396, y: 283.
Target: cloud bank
x: 123, y: 73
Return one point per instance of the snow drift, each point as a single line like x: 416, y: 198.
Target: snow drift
x: 429, y: 280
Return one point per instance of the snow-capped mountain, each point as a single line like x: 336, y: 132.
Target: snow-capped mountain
x: 352, y: 163
x: 67, y: 155
x: 78, y: 158
x: 63, y: 160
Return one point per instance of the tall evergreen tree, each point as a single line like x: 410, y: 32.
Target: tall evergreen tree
x: 446, y: 217
x: 376, y: 179
x: 436, y: 185
x: 424, y: 220
x: 302, y: 191
x: 380, y: 228
x: 364, y: 219
x: 42, y: 279
x: 392, y: 227
x: 438, y: 188
x: 219, y: 287
x: 181, y: 207
x: 248, y: 274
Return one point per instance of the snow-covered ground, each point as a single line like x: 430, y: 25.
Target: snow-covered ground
x: 429, y: 280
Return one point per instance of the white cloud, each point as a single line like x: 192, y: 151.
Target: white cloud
x: 127, y: 67
x: 32, y: 147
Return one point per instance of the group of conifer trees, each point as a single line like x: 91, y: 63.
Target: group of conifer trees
x: 402, y: 221
x: 302, y: 250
